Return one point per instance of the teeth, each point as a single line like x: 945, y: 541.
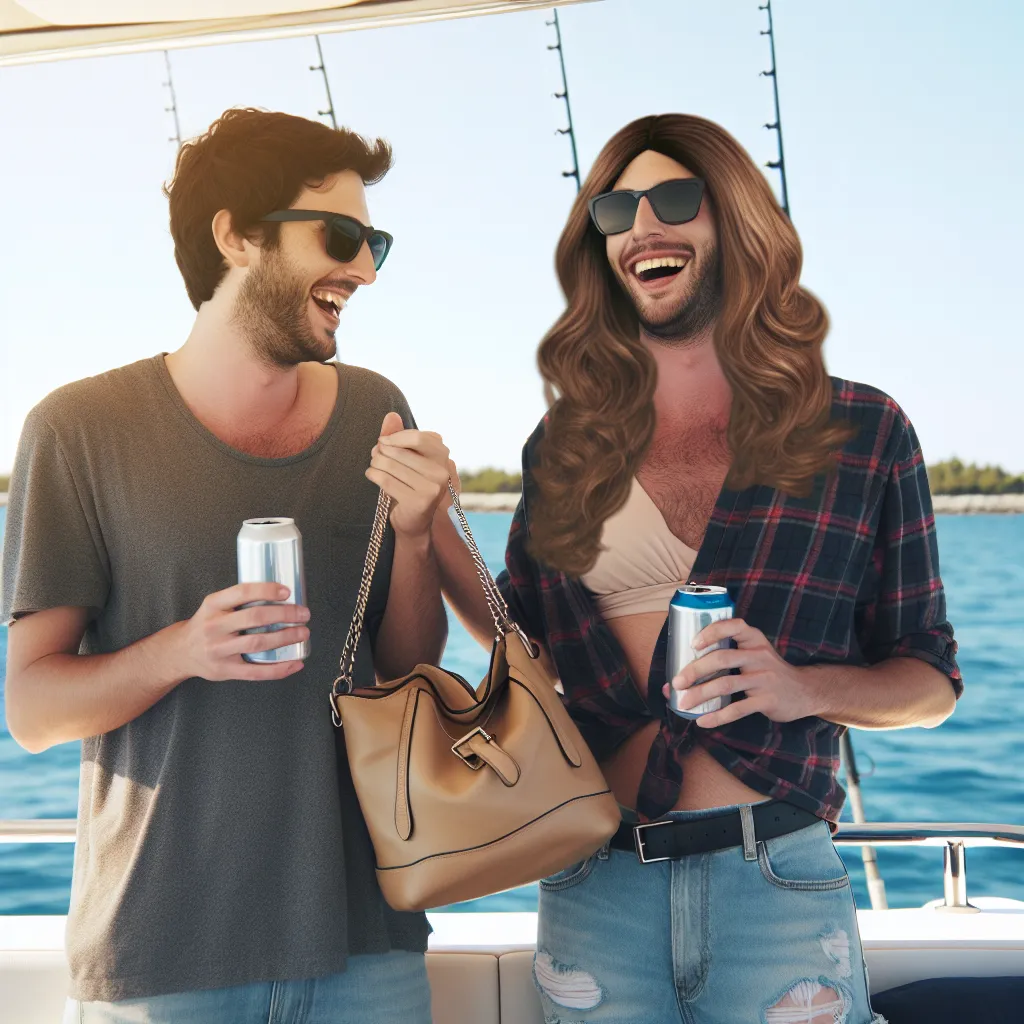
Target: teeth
x: 334, y: 298
x: 664, y: 261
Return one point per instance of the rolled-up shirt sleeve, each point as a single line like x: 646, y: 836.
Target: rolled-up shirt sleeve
x: 901, y: 608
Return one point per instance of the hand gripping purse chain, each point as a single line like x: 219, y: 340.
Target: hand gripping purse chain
x: 495, y: 602
x: 499, y: 807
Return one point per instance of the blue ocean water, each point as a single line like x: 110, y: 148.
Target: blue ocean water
x: 969, y: 769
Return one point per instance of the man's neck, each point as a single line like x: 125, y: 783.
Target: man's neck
x: 690, y: 380
x: 221, y: 379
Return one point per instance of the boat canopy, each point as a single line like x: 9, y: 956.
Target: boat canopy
x: 45, y: 30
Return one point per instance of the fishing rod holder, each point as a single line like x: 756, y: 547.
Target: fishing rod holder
x: 954, y: 878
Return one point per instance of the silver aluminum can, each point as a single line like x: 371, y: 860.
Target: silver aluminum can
x: 270, y: 551
x: 692, y: 609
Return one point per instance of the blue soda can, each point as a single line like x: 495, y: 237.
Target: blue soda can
x: 692, y: 609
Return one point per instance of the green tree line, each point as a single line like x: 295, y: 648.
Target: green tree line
x: 953, y: 477
x: 491, y: 481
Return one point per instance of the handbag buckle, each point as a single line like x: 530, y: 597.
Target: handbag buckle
x: 474, y: 761
x: 638, y: 839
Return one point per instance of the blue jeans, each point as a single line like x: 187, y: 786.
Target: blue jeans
x: 765, y: 934
x: 382, y: 987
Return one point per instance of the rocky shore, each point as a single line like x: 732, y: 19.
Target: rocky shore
x: 965, y: 504
x: 489, y: 502
x: 944, y: 504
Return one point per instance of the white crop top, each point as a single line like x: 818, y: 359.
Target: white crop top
x: 641, y: 562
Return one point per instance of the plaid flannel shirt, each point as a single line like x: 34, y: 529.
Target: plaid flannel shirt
x: 849, y: 575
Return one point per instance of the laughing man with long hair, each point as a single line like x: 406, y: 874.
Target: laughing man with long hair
x: 695, y: 435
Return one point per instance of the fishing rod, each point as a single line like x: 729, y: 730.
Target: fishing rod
x: 564, y: 95
x: 872, y: 876
x: 173, y: 108
x: 327, y: 85
x: 771, y: 73
x: 875, y: 883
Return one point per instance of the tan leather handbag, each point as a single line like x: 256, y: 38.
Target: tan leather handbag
x: 468, y: 792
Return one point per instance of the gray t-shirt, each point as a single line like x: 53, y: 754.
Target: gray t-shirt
x: 219, y: 837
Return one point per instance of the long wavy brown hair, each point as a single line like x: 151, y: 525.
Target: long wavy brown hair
x: 600, y: 377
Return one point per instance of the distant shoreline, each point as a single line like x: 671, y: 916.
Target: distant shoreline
x: 944, y: 504
x: 971, y: 504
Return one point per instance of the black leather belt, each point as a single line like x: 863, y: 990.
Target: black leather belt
x: 670, y: 840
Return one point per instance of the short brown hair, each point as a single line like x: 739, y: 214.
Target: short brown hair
x: 252, y: 162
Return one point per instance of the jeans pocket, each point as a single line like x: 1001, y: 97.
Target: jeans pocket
x: 805, y: 860
x: 568, y: 877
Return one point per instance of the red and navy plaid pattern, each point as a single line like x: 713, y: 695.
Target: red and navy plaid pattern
x: 848, y: 575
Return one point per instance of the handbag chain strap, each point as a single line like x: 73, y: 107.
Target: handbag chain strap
x: 503, y: 623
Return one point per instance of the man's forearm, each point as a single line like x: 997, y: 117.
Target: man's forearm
x: 65, y: 697
x: 414, y: 628
x: 894, y: 694
x: 459, y: 580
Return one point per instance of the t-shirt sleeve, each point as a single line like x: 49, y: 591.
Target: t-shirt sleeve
x: 53, y: 553
x: 403, y: 410
x: 902, y: 605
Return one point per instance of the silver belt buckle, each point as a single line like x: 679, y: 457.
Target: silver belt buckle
x: 638, y: 840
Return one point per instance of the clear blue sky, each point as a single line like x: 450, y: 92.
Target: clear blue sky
x: 904, y: 145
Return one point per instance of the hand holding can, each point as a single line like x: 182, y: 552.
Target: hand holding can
x: 694, y: 608
x: 214, y: 643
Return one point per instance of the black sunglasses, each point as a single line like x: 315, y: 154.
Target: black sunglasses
x: 345, y: 235
x: 673, y: 202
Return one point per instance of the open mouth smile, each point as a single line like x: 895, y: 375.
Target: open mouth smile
x: 330, y: 302
x: 658, y: 269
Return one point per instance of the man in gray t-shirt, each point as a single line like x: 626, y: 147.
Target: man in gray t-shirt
x: 222, y: 864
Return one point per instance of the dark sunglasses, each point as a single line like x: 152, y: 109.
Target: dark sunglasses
x: 345, y: 235
x: 673, y: 202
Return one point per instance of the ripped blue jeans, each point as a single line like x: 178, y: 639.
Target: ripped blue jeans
x: 766, y: 936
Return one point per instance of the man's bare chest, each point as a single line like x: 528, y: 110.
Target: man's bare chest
x: 683, y: 475
x: 286, y: 433
x: 277, y: 443
x: 292, y: 435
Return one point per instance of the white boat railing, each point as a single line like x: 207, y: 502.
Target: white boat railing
x: 953, y: 837
x: 38, y: 830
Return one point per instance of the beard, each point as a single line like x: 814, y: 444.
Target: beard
x: 696, y: 311
x: 272, y: 312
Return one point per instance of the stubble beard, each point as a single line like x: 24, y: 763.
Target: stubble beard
x: 697, y: 310
x: 272, y: 313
